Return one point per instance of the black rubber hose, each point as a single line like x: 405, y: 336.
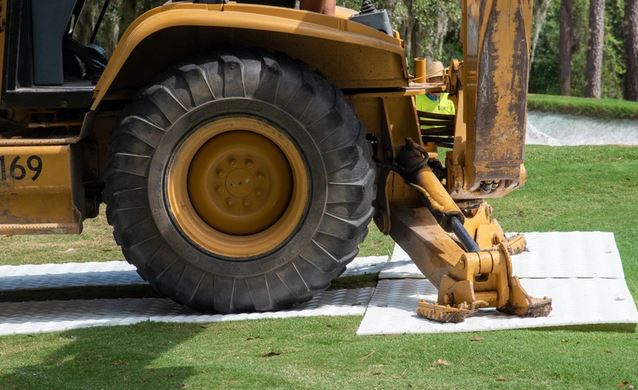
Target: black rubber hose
x: 461, y: 233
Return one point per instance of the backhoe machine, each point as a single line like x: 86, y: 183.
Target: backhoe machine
x: 243, y: 149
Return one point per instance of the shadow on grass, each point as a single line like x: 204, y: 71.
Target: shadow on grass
x: 618, y: 328
x: 114, y: 357
x: 351, y: 282
x: 80, y: 292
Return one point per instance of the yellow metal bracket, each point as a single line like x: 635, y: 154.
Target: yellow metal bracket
x: 38, y: 190
x: 467, y: 281
x: 472, y: 269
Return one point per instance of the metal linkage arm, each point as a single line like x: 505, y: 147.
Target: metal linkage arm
x: 469, y: 276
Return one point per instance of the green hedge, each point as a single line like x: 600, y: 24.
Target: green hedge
x: 600, y: 108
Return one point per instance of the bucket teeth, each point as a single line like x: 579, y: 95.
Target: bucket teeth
x: 516, y: 244
x: 540, y: 307
x: 443, y: 314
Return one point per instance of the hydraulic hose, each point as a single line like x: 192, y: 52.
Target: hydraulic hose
x: 412, y: 161
x: 461, y: 233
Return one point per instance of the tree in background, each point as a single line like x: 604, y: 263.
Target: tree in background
x: 563, y: 59
x: 594, y: 66
x: 540, y: 15
x: 544, y: 70
x: 119, y: 15
x: 128, y: 12
x: 613, y: 50
x: 566, y: 46
x: 631, y: 50
x: 429, y: 28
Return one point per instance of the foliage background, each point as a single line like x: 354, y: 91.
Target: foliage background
x: 544, y: 77
x: 431, y: 29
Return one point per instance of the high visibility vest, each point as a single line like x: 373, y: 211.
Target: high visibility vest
x: 440, y: 105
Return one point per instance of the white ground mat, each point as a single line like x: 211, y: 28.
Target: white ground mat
x: 116, y: 273
x: 549, y: 255
x: 580, y: 271
x: 575, y: 302
x: 34, y: 277
x: 50, y: 316
x: 366, y: 265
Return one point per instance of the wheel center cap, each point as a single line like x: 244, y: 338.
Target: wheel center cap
x: 240, y: 183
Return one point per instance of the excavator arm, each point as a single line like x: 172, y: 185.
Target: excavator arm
x: 490, y: 132
x: 450, y: 234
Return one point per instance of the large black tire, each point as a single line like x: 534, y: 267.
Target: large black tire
x: 308, y: 110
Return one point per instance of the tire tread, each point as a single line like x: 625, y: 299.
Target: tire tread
x: 290, y: 85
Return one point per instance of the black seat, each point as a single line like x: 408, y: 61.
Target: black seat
x: 83, y: 61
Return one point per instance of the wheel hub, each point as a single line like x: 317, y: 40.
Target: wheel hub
x: 237, y: 187
x: 240, y: 182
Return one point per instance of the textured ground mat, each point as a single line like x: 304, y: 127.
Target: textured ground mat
x: 549, y: 255
x: 116, y: 273
x: 60, y: 315
x: 580, y: 271
x: 45, y: 276
x: 50, y: 316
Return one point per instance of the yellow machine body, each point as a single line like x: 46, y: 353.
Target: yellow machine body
x: 38, y: 190
x: 486, y: 136
x: 359, y: 57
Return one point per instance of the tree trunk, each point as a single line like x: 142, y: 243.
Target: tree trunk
x: 389, y: 6
x: 566, y: 45
x: 415, y: 50
x: 540, y: 14
x: 594, y: 68
x: 86, y: 22
x: 409, y: 28
x: 441, y: 31
x: 631, y: 49
x: 128, y: 11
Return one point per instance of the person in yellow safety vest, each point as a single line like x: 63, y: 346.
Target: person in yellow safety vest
x: 434, y: 102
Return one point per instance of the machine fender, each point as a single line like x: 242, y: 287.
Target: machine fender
x: 373, y: 58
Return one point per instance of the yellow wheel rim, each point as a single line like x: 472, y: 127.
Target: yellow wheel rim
x: 237, y: 187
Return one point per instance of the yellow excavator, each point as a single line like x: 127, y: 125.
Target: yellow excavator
x: 242, y: 149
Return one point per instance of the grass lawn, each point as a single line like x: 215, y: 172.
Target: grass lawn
x: 569, y: 188
x: 600, y: 108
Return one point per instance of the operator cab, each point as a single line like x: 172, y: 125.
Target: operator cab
x: 45, y: 65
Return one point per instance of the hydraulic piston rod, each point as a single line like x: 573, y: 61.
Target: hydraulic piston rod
x: 415, y: 170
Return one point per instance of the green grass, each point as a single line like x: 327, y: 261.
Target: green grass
x: 96, y: 243
x: 576, y: 188
x: 600, y: 108
x: 315, y: 353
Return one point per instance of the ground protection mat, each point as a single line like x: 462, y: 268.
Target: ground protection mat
x: 60, y: 315
x: 116, y: 273
x: 549, y: 255
x: 50, y: 316
x: 580, y: 271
